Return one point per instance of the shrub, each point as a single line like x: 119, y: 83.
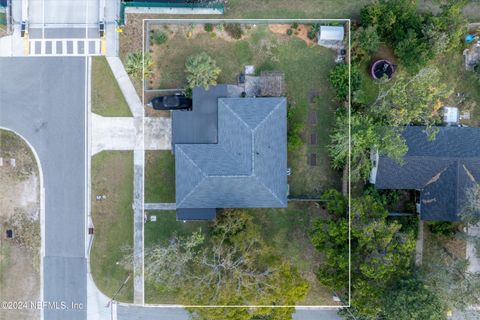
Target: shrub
x: 295, y: 128
x: 201, y: 70
x: 289, y: 32
x: 220, y: 27
x: 294, y: 25
x: 158, y: 37
x: 365, y: 42
x: 234, y: 30
x: 208, y: 27
x: 444, y: 228
x: 339, y: 79
x: 314, y: 29
x: 134, y: 65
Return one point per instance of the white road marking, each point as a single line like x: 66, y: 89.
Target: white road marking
x: 96, y: 43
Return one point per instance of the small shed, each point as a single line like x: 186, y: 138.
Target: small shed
x: 451, y: 115
x: 331, y: 36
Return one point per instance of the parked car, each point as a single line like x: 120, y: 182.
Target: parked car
x: 173, y: 102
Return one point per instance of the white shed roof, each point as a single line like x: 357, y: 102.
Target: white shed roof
x: 329, y: 33
x: 450, y: 114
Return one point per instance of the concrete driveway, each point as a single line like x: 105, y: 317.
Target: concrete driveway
x: 43, y: 100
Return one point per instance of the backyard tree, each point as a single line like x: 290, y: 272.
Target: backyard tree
x: 416, y: 38
x: 411, y: 299
x: 365, y: 42
x: 201, y: 70
x: 380, y: 253
x: 365, y: 134
x: 412, y: 99
x: 230, y: 268
x: 471, y: 209
x: 447, y: 275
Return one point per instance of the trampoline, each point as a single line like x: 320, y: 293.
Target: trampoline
x: 382, y: 68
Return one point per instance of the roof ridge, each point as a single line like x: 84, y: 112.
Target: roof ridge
x: 458, y: 184
x: 269, y: 190
x: 234, y: 113
x: 201, y: 171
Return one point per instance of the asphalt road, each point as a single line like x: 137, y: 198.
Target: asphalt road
x: 43, y: 99
x: 70, y: 12
x: 148, y: 313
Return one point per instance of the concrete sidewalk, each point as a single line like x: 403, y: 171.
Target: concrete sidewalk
x: 137, y: 133
x: 126, y: 86
x: 121, y: 133
x: 160, y: 206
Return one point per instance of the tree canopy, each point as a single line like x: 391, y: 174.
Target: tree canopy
x: 229, y: 268
x: 415, y: 37
x: 380, y: 253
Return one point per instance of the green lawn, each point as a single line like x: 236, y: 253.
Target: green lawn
x: 306, y: 71
x: 112, y: 175
x: 159, y: 176
x: 107, y: 98
x: 286, y: 230
x: 454, y: 74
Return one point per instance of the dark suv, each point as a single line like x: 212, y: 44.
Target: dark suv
x: 175, y: 102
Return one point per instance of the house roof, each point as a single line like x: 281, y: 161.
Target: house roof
x: 442, y: 169
x: 200, y: 124
x: 246, y: 167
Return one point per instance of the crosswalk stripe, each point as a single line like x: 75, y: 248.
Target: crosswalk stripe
x: 65, y: 47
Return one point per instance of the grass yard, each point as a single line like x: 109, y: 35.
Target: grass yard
x: 286, y: 230
x: 454, y: 74
x: 308, y: 89
x: 159, y: 176
x: 107, y: 98
x: 112, y: 175
x: 160, y: 232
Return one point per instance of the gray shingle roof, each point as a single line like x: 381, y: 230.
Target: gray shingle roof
x: 442, y: 169
x: 200, y: 124
x: 247, y: 168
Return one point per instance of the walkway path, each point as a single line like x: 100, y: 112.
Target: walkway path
x: 137, y: 109
x: 419, y: 248
x: 474, y: 266
x: 160, y: 206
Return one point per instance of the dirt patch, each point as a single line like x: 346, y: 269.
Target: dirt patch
x: 19, y: 211
x: 300, y: 32
x: 386, y: 53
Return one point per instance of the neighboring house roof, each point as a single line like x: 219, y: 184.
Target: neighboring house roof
x: 246, y: 167
x: 200, y: 124
x: 442, y: 169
